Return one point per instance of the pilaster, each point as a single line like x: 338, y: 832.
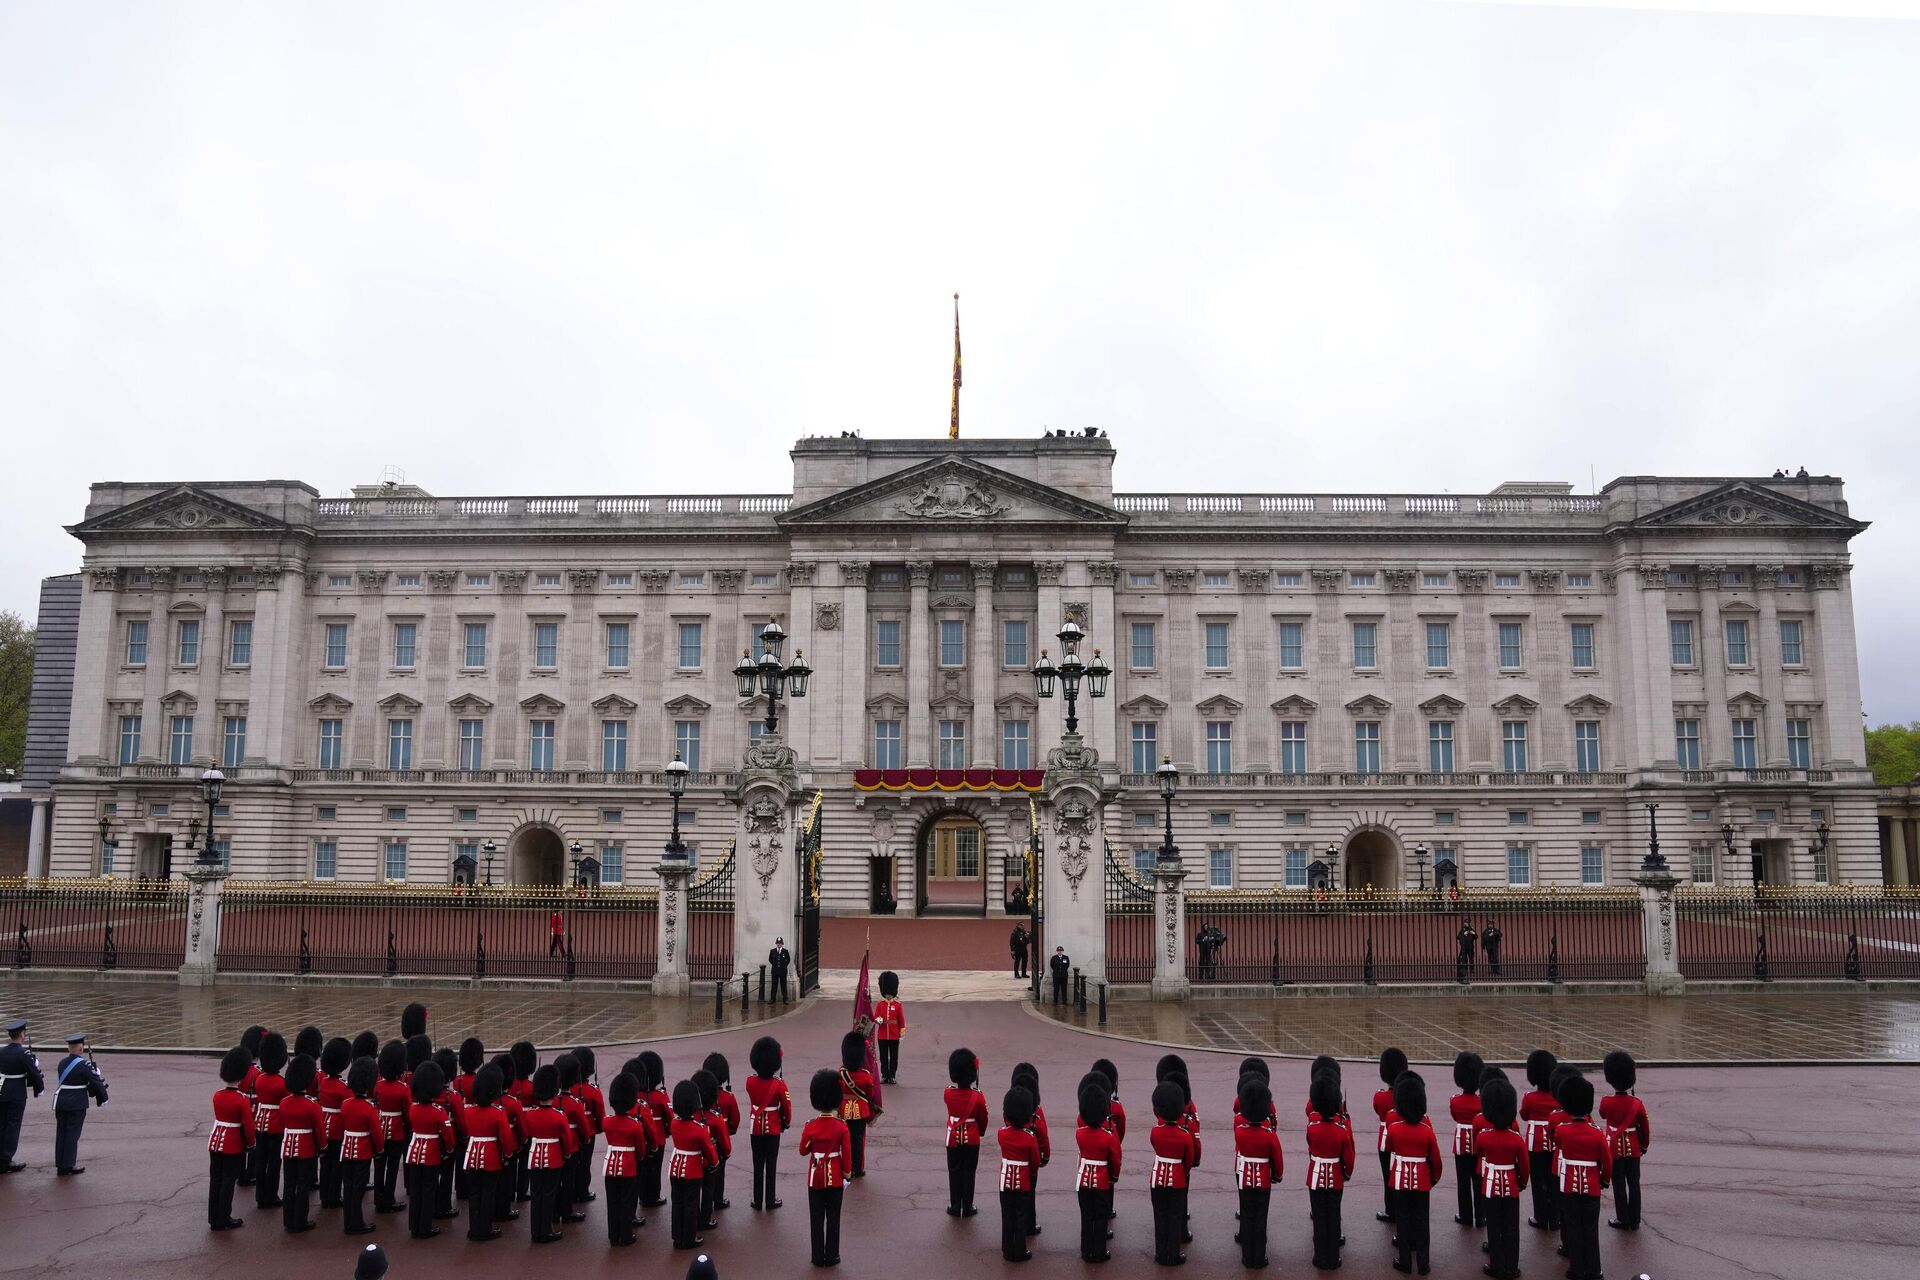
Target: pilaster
x: 919, y: 658
x: 670, y: 976
x: 203, y: 924
x: 1657, y: 921
x: 1170, y: 933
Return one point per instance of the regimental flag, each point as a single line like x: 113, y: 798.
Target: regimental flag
x: 864, y: 1024
x: 953, y: 425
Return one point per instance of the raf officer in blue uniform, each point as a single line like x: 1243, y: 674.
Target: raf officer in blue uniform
x: 18, y: 1069
x: 76, y: 1080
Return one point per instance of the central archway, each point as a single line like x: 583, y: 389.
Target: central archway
x: 1372, y: 861
x: 538, y: 857
x: 950, y: 866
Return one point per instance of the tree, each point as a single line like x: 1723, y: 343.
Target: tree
x: 1893, y: 753
x: 16, y: 684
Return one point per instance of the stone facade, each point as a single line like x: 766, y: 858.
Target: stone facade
x: 393, y: 678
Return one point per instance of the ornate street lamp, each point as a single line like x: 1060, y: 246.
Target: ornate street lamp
x: 489, y: 848
x: 210, y: 784
x: 1655, y: 863
x: 1169, y: 779
x: 676, y: 772
x: 1420, y: 855
x: 574, y: 851
x: 768, y: 676
x: 1071, y: 672
x: 1333, y: 866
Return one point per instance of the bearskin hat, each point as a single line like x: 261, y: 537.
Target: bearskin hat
x: 1576, y: 1096
x: 361, y: 1075
x: 335, y: 1056
x: 1540, y: 1065
x: 233, y: 1067
x: 419, y: 1049
x: 853, y: 1051
x: 473, y: 1055
x: 686, y: 1099
x: 251, y: 1037
x: 393, y: 1060
x: 429, y: 1081
x: 656, y: 1070
x: 546, y: 1083
x: 1031, y: 1083
x: 764, y: 1057
x: 448, y: 1061
x: 1392, y: 1063
x: 709, y: 1087
x: 366, y: 1045
x: 1619, y: 1070
x: 488, y: 1085
x: 1467, y: 1067
x: 717, y: 1066
x: 889, y: 984
x: 503, y: 1063
x: 413, y: 1021
x: 1324, y: 1096
x: 1490, y: 1072
x: 1168, y: 1062
x: 1255, y: 1067
x: 622, y: 1094
x: 525, y: 1059
x: 1256, y: 1101
x: 1169, y: 1101
x: 1106, y: 1068
x: 1017, y: 1107
x: 584, y: 1056
x: 1024, y: 1069
x: 825, y: 1092
x: 1498, y: 1103
x: 963, y: 1068
x: 309, y: 1041
x: 633, y: 1068
x: 1095, y: 1104
x: 1178, y: 1079
x: 568, y: 1068
x: 273, y: 1052
x: 1324, y: 1065
x: 1410, y: 1097
x: 1557, y: 1079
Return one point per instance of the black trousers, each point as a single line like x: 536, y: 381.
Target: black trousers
x: 1410, y: 1209
x: 420, y: 1180
x: 387, y: 1175
x: 623, y: 1199
x: 710, y: 1188
x: 1169, y: 1223
x: 1253, y: 1224
x: 223, y: 1175
x: 780, y: 987
x: 563, y: 1183
x: 1060, y: 988
x: 543, y: 1193
x: 1013, y: 1224
x: 11, y: 1113
x: 686, y: 1211
x: 889, y: 1059
x: 1019, y: 964
x: 963, y: 1167
x: 650, y: 1178
x: 330, y: 1175
x: 1503, y: 1236
x: 1546, y: 1189
x: 1626, y: 1190
x: 1466, y: 1177
x: 1386, y: 1182
x: 583, y: 1172
x: 1094, y: 1207
x: 483, y: 1202
x: 521, y: 1181
x: 1580, y: 1219
x: 1326, y: 1227
x: 266, y: 1171
x: 443, y: 1189
x: 823, y: 1221
x: 553, y: 945
x: 354, y: 1176
x: 503, y: 1191
x: 296, y: 1201
x: 857, y: 1131
x: 766, y: 1160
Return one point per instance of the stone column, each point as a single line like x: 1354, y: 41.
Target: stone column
x: 1170, y: 933
x: 1650, y: 642
x: 802, y: 620
x: 1845, y: 742
x: 1896, y: 852
x: 1073, y: 893
x: 919, y: 657
x: 1663, y: 950
x: 37, y: 838
x: 1716, y: 728
x: 1049, y: 720
x: 1103, y: 722
x: 670, y: 922
x: 765, y: 872
x: 203, y: 924
x: 986, y: 666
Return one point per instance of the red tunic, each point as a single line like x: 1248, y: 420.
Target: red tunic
x: 661, y: 1105
x: 828, y: 1148
x: 889, y: 1020
x: 299, y: 1128
x: 858, y: 1104
x: 1330, y: 1155
x: 769, y: 1105
x: 1585, y: 1159
x: 1535, y: 1107
x: 1464, y: 1107
x: 232, y: 1123
x: 269, y: 1091
x: 511, y: 1105
x: 692, y: 1152
x: 549, y: 1137
x: 456, y: 1108
x: 490, y: 1142
x: 1344, y: 1117
x: 1019, y: 1158
x: 967, y: 1117
x: 1099, y: 1158
x: 1040, y: 1135
x: 432, y: 1132
x: 722, y: 1136
x: 250, y: 1080
x: 1415, y: 1152
x: 654, y: 1131
x: 1383, y: 1108
x: 1175, y: 1152
x: 595, y: 1104
x: 1503, y: 1163
x: 729, y: 1107
x: 332, y: 1092
x: 1257, y: 1161
x: 1629, y: 1131
x: 392, y: 1099
x: 1117, y: 1122
x: 359, y: 1130
x: 626, y: 1147
x: 463, y: 1085
x: 576, y: 1120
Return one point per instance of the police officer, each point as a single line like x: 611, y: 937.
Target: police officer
x: 18, y: 1069
x: 1017, y: 942
x: 1490, y: 943
x: 1463, y: 964
x: 76, y: 1080
x: 1059, y: 967
x: 780, y: 960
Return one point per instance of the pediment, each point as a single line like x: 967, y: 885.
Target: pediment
x: 179, y: 511
x: 180, y: 700
x: 1443, y: 705
x: 1516, y: 705
x: 1745, y: 505
x: 951, y: 706
x: 1588, y: 704
x: 1144, y: 705
x: 1369, y: 704
x: 540, y: 704
x: 398, y: 702
x: 886, y: 706
x: 1220, y: 705
x: 190, y: 608
x: 1748, y: 698
x: 952, y: 490
x: 329, y: 702
x: 469, y: 702
x: 688, y: 705
x: 1016, y: 702
x: 1295, y: 705
x: 613, y: 704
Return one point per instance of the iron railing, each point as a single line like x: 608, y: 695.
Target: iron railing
x: 710, y: 923
x: 1130, y: 938
x: 109, y: 923
x: 1846, y: 931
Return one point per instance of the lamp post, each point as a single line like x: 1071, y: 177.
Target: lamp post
x: 573, y: 852
x: 106, y: 845
x: 1169, y: 779
x: 676, y: 772
x: 1071, y: 671
x: 768, y: 676
x: 1820, y: 848
x: 1726, y: 839
x: 210, y: 784
x: 1333, y: 867
x: 489, y: 849
x: 1655, y: 863
x: 1420, y: 855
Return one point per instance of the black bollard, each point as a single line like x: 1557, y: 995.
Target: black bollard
x: 720, y: 1001
x: 1103, y: 1004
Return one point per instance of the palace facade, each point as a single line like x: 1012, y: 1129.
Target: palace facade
x: 1496, y: 685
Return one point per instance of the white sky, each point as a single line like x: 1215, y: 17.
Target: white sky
x: 577, y: 248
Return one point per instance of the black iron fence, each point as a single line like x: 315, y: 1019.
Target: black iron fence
x: 710, y: 923
x: 1846, y: 931
x: 1129, y: 924
x: 437, y: 930
x: 94, y: 924
x: 1280, y: 937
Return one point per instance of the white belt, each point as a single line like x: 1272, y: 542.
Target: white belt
x: 1092, y: 1164
x: 539, y: 1142
x: 1535, y: 1124
x: 1241, y: 1162
x: 1012, y: 1164
x: 1168, y: 1160
x: 681, y: 1151
x: 357, y: 1133
x: 329, y: 1111
x: 1317, y: 1161
x: 226, y: 1124
x: 1314, y: 1164
x: 264, y: 1106
x: 1460, y: 1128
x: 1580, y: 1164
x: 83, y: 1085
x: 293, y: 1131
x: 5, y: 1076
x: 384, y: 1115
x: 610, y: 1150
x: 1498, y: 1168
x: 482, y: 1139
x: 1400, y: 1159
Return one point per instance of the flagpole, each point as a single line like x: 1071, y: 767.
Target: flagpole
x: 953, y: 423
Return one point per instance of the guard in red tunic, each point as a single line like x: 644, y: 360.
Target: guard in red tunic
x: 716, y: 1123
x: 454, y: 1104
x: 1464, y: 1107
x: 567, y: 1067
x: 889, y: 1025
x: 626, y: 1147
x: 1027, y: 1076
x: 429, y: 1144
x: 691, y: 1154
x: 1393, y: 1064
x: 1176, y: 1152
x: 1019, y: 1159
x: 472, y: 1056
x: 514, y: 1157
x: 392, y: 1099
x: 1330, y: 1158
x: 250, y: 1041
x: 653, y: 1093
x: 1500, y: 1154
x: 1414, y: 1170
x: 857, y: 1106
x: 1117, y: 1121
x: 1098, y: 1170
x: 967, y: 1121
x: 1257, y: 1167
x: 1251, y: 1068
x: 727, y: 1107
x: 1536, y: 1109
x: 526, y: 1060
x: 360, y: 1144
x: 1586, y: 1166
x: 828, y: 1147
x: 1629, y: 1134
x: 592, y: 1101
x: 769, y: 1114
x: 231, y: 1139
x: 489, y: 1152
x: 269, y: 1091
x: 331, y: 1092
x: 300, y: 1129
x: 550, y: 1141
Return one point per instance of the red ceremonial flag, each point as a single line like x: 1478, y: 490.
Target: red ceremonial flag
x: 863, y: 1023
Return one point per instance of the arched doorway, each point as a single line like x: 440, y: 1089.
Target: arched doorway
x: 539, y: 858
x: 1372, y: 861
x: 951, y: 867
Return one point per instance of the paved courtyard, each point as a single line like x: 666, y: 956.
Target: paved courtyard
x: 1745, y: 1177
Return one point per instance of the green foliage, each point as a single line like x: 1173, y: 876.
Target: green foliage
x: 1893, y: 753
x: 16, y: 682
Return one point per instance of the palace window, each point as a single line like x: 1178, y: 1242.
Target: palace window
x: 1366, y: 654
x: 1293, y: 746
x: 405, y: 647
x: 613, y: 746
x: 1292, y: 646
x: 332, y: 736
x: 886, y: 744
x: 1586, y: 746
x: 1439, y: 648
x: 1219, y: 746
x: 1144, y: 739
x: 1440, y: 746
x: 136, y: 642
x: 473, y: 744
x: 1582, y: 643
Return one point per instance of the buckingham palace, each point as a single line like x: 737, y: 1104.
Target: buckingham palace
x: 1492, y: 687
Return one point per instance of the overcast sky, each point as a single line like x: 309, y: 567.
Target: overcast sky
x: 640, y: 249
